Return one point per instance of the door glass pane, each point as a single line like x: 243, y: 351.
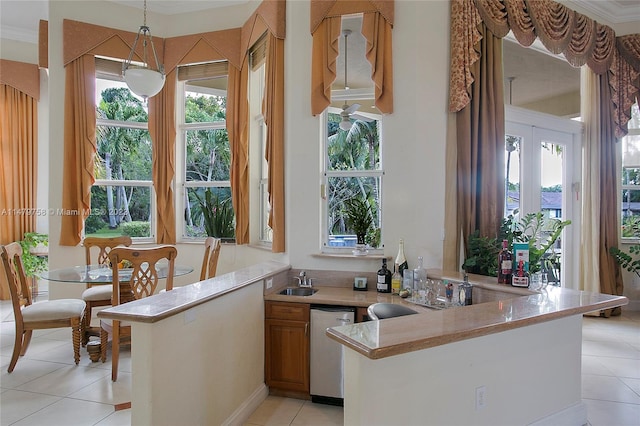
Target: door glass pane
x: 512, y: 174
x: 551, y: 196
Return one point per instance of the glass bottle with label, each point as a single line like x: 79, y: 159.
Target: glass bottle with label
x: 520, y: 276
x: 505, y: 264
x: 384, y: 278
x: 396, y: 281
x: 401, y: 259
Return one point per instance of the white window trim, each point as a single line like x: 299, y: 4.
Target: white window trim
x: 326, y: 174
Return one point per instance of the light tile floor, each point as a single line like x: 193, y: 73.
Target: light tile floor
x: 46, y: 388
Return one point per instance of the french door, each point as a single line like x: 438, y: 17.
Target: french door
x: 543, y: 160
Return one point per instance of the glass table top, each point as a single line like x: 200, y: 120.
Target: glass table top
x: 98, y: 274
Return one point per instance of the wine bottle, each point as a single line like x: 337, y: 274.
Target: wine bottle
x: 505, y: 264
x: 401, y: 259
x: 384, y: 278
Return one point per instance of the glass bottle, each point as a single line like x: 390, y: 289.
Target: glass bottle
x: 396, y: 281
x: 401, y: 259
x: 520, y: 276
x: 384, y: 278
x: 505, y: 264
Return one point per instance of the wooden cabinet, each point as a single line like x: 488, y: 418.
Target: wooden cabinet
x: 287, y: 346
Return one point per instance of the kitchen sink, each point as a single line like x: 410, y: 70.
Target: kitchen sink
x: 298, y: 291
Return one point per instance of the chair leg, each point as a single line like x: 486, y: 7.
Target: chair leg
x: 76, y: 330
x: 17, y: 348
x: 115, y: 350
x: 104, y: 339
x: 86, y: 320
x: 25, y: 341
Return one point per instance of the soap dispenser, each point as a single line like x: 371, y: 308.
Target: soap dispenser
x: 465, y: 291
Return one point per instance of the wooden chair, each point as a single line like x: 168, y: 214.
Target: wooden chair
x: 142, y: 283
x: 31, y: 316
x: 210, y: 260
x: 98, y: 295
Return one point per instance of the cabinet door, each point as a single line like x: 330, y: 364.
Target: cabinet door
x: 287, y: 354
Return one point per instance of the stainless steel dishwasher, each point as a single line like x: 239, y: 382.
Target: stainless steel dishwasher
x: 326, y: 354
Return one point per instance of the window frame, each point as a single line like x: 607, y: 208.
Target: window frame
x: 631, y: 131
x: 137, y: 125
x: 182, y: 127
x: 326, y: 174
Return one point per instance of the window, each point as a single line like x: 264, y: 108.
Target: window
x: 206, y: 156
x: 631, y: 177
x: 122, y: 195
x: 258, y: 142
x: 352, y: 170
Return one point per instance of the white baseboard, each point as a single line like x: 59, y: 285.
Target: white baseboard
x: 243, y: 412
x: 573, y: 415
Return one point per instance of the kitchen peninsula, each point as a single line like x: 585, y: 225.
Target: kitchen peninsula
x: 207, y: 338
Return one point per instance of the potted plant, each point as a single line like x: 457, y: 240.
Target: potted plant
x: 217, y: 215
x: 358, y: 218
x: 536, y: 229
x: 35, y: 248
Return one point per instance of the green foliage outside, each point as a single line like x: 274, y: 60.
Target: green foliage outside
x: 358, y: 217
x: 217, y: 215
x: 355, y: 150
x: 33, y: 264
x: 136, y: 229
x: 538, y: 230
x: 629, y: 260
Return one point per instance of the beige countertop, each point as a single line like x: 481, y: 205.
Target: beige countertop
x: 393, y: 336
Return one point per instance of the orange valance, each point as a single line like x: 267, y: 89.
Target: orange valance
x: 562, y: 30
x: 21, y: 76
x: 377, y: 27
x: 321, y: 9
x: 203, y: 47
x: 43, y: 44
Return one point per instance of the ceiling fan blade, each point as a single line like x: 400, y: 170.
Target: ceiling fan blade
x: 362, y: 118
x: 353, y: 108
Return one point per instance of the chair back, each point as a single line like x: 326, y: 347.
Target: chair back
x: 210, y: 260
x: 105, y: 245
x: 144, y: 274
x: 20, y: 292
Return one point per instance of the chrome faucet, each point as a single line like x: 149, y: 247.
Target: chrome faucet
x: 302, y: 280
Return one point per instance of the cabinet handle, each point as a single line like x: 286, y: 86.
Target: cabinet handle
x: 306, y: 329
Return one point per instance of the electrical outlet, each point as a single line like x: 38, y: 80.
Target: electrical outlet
x: 481, y: 397
x: 269, y: 283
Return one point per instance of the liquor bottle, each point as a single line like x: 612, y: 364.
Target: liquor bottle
x: 401, y: 259
x: 505, y: 264
x: 396, y: 281
x: 420, y: 280
x: 384, y: 278
x: 520, y: 276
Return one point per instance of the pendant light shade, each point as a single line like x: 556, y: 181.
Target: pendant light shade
x: 144, y: 80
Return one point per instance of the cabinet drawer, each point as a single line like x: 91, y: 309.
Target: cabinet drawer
x: 287, y: 311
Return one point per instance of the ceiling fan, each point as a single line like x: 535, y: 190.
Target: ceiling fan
x: 348, y: 111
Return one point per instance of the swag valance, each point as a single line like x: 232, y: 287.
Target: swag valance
x: 377, y: 24
x: 562, y: 30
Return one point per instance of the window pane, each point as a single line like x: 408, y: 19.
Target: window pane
x: 356, y: 149
x: 119, y: 210
x: 123, y: 154
x: 205, y: 108
x: 341, y: 189
x: 209, y: 212
x: 208, y: 155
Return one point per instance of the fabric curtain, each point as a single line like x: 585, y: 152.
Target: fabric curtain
x: 591, y: 193
x: 377, y: 31
x: 19, y: 168
x: 480, y: 136
x: 323, y: 62
x: 162, y: 129
x: 237, y: 129
x: 273, y: 111
x: 610, y: 272
x: 79, y: 147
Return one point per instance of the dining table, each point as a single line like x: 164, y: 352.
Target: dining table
x: 101, y: 274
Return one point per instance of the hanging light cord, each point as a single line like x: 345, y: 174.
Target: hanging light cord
x: 346, y: 34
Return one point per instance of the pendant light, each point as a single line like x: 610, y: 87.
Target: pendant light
x: 345, y: 123
x: 144, y: 80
